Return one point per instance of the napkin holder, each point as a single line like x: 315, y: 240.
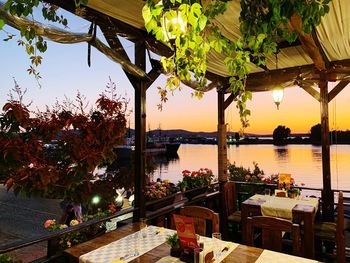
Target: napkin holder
x: 206, y: 256
x: 281, y: 193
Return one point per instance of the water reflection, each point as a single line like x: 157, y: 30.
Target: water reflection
x: 161, y: 165
x: 281, y: 153
x: 316, y: 154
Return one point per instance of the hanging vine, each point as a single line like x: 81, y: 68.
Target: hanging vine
x: 263, y: 24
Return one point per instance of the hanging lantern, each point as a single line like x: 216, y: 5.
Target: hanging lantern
x: 172, y: 22
x: 277, y: 95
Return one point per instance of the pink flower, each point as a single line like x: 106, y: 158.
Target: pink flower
x: 49, y: 222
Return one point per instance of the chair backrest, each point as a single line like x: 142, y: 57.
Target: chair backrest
x: 340, y: 238
x: 200, y: 217
x: 230, y: 198
x: 272, y: 229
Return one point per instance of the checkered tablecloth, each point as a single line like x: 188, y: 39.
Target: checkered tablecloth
x: 129, y: 247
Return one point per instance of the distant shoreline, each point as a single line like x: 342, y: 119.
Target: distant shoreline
x: 266, y: 142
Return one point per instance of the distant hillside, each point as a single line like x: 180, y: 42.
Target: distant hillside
x: 185, y: 133
x: 180, y: 133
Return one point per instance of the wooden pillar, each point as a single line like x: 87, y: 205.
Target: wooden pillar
x: 222, y: 142
x: 327, y: 193
x: 140, y: 131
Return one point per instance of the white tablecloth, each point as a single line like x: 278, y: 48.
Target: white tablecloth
x: 268, y: 256
x: 281, y: 206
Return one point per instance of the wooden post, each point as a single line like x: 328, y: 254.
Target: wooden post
x: 140, y: 132
x: 222, y: 160
x: 222, y: 143
x: 327, y: 193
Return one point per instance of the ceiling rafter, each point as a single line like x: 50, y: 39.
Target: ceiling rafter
x: 229, y: 100
x: 335, y: 91
x: 308, y: 43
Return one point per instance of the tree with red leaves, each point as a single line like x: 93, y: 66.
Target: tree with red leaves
x: 54, y: 153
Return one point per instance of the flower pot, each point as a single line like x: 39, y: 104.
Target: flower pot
x: 159, y: 203
x: 190, y: 194
x: 175, y: 252
x: 293, y: 195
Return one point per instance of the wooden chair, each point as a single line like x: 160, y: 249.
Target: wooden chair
x: 231, y: 213
x: 201, y: 215
x: 272, y: 229
x: 334, y: 231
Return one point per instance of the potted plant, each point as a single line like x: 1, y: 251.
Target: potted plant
x: 182, y: 185
x: 293, y: 192
x: 195, y: 182
x: 174, y: 243
x: 159, y: 194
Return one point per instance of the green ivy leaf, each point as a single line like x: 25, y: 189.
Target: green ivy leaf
x: 2, y: 24
x: 202, y: 22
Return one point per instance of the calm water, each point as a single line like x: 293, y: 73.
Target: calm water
x: 304, y: 162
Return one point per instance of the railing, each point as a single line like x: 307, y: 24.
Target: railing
x: 162, y: 215
x: 59, y: 233
x: 164, y: 212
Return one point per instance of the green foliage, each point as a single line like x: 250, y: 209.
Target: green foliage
x: 2, y: 24
x: 196, y: 179
x: 263, y: 24
x: 316, y: 133
x: 173, y: 240
x: 241, y: 174
x: 4, y: 258
x: 281, y: 134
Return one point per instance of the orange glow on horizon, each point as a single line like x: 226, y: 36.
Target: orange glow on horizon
x: 298, y: 111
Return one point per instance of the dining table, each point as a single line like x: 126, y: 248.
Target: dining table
x: 117, y: 246
x: 300, y: 210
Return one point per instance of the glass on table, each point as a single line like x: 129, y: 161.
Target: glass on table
x: 143, y: 227
x: 216, y: 244
x: 136, y: 244
x: 267, y: 192
x: 197, y: 255
x: 216, y: 235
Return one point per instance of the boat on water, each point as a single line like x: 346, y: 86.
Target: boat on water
x: 152, y: 148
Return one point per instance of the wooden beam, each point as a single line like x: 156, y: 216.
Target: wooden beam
x: 115, y: 43
x: 154, y: 73
x: 140, y: 133
x: 310, y: 89
x: 122, y: 29
x: 222, y: 144
x: 308, y: 43
x: 335, y: 91
x: 318, y: 45
x: 327, y: 193
x: 64, y: 37
x: 229, y: 100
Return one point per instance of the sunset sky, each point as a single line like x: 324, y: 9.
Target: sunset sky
x: 64, y: 70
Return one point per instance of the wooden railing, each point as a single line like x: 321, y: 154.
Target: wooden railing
x: 161, y: 216
x: 57, y: 234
